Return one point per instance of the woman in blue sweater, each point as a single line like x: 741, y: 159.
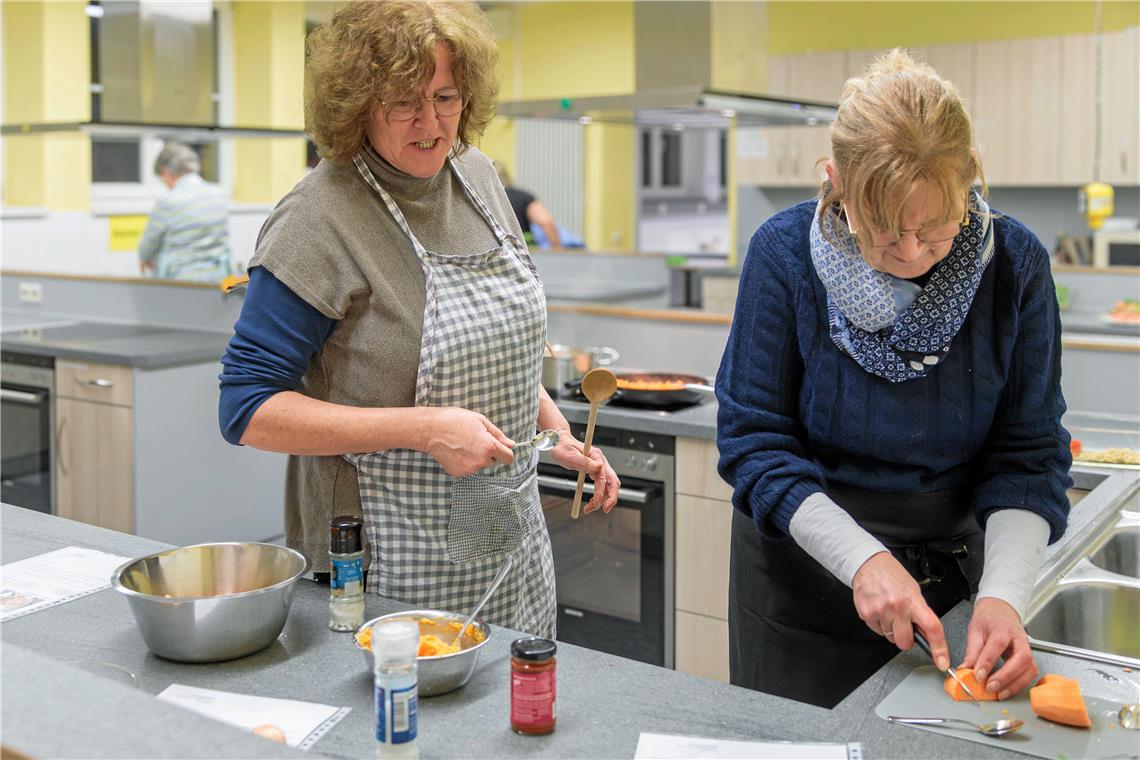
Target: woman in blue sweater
x: 890, y: 401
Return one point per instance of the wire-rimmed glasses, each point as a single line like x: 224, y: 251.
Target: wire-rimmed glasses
x: 941, y: 233
x: 447, y: 102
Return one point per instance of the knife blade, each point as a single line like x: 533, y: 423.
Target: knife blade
x: 924, y: 645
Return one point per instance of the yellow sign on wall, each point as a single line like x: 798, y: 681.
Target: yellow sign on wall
x: 126, y: 231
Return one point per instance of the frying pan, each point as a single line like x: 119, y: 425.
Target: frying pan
x: 690, y: 390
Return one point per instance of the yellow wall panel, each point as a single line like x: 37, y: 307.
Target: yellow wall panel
x: 796, y: 26
x: 269, y: 65
x: 67, y: 62
x: 608, y: 186
x: 23, y: 53
x: 23, y: 171
x: 498, y: 143
x: 267, y: 168
x: 573, y: 49
x: 738, y: 55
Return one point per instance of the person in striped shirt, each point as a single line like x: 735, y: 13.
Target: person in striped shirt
x: 187, y: 236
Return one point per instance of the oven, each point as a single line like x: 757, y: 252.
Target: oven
x: 614, y: 573
x: 26, y: 384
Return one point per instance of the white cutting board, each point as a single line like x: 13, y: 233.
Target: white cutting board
x: 920, y: 695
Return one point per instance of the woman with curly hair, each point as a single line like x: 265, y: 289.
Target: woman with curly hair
x: 392, y: 334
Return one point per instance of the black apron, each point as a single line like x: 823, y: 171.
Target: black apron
x: 793, y: 627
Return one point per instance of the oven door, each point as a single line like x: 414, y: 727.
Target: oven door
x: 25, y: 460
x: 609, y: 569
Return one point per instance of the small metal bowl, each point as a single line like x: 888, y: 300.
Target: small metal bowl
x: 446, y: 672
x: 211, y: 602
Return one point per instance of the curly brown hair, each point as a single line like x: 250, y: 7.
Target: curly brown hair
x: 375, y: 51
x: 899, y: 124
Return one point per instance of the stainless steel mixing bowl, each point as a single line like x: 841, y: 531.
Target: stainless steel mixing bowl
x: 447, y: 672
x: 211, y: 602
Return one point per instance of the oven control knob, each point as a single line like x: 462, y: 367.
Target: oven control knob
x: 631, y: 461
x: 651, y: 464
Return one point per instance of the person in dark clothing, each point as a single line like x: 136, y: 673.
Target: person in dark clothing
x: 529, y: 210
x: 890, y: 402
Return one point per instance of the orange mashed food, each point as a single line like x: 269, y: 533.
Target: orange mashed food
x: 651, y: 385
x: 431, y: 645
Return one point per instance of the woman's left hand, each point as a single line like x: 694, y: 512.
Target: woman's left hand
x: 996, y: 631
x: 568, y: 453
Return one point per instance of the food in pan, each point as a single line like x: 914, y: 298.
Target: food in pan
x: 958, y: 694
x: 1075, y: 447
x: 1127, y: 311
x: 1058, y: 699
x: 1109, y: 456
x: 651, y: 385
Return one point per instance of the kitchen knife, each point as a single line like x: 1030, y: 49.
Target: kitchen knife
x: 924, y: 645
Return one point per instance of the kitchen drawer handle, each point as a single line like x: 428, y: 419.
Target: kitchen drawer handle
x: 59, y: 446
x: 20, y: 397
x: 635, y: 495
x: 97, y: 382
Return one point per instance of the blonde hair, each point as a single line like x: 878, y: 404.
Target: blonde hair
x: 382, y: 51
x: 899, y: 124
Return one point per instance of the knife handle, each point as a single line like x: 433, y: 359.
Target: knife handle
x: 923, y: 644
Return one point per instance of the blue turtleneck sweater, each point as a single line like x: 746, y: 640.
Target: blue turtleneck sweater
x: 796, y: 413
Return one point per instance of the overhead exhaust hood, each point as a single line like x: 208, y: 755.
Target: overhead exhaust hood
x: 677, y: 108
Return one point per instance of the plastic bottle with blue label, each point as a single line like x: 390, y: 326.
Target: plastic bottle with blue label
x: 395, y: 645
x: 346, y: 577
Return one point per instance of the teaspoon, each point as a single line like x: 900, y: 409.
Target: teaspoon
x: 996, y: 728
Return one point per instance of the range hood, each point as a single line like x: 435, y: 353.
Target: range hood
x: 677, y: 108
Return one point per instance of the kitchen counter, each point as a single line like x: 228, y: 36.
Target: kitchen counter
x: 604, y: 701
x: 132, y: 345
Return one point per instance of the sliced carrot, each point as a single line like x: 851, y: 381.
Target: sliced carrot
x: 1058, y: 699
x: 956, y: 692
x: 1075, y: 446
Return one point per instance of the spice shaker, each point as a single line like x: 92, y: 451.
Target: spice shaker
x: 346, y: 579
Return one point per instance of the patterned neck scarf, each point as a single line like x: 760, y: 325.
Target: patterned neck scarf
x: 890, y: 326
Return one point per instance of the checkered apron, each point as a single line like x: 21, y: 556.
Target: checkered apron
x: 437, y: 541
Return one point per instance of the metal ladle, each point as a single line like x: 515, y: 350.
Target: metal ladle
x: 996, y: 728
x: 544, y: 441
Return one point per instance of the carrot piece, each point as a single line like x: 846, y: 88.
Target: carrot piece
x: 957, y: 693
x: 1058, y: 699
x: 1075, y: 446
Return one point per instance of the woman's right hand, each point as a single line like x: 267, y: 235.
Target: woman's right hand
x: 463, y: 441
x: 890, y: 602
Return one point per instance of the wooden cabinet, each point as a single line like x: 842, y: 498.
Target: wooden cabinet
x: 1121, y: 127
x: 790, y: 156
x: 139, y: 451
x: 95, y: 445
x: 1119, y: 142
x: 703, y: 531
x: 1018, y: 108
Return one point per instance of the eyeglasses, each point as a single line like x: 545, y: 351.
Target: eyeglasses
x: 932, y: 236
x: 446, y: 103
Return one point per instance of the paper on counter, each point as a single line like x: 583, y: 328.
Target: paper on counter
x: 668, y: 747
x: 59, y: 576
x: 302, y: 722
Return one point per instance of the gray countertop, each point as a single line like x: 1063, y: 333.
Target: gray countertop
x: 132, y: 345
x: 604, y: 701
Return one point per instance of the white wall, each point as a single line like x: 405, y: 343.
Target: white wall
x: 77, y: 242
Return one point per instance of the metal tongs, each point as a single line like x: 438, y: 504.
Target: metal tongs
x: 924, y: 645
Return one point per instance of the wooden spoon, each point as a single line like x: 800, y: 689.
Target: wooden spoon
x: 597, y: 386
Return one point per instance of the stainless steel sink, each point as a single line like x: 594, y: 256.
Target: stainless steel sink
x: 1121, y: 552
x: 1097, y: 618
x: 1088, y: 603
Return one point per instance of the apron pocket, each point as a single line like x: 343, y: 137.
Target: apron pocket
x: 490, y: 514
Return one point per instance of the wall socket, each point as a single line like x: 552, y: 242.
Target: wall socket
x: 31, y: 292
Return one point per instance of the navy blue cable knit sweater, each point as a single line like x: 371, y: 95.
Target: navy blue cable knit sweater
x: 796, y: 413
